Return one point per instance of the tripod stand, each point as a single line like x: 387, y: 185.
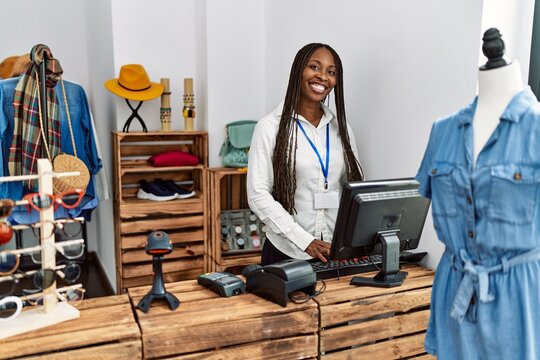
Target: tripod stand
x: 158, y: 288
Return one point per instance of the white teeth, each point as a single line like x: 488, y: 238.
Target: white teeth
x: 318, y: 87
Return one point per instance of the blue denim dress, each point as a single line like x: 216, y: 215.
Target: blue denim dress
x: 486, y: 293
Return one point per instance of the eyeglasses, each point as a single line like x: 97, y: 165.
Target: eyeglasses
x: 72, y: 271
x: 71, y: 295
x: 70, y: 251
x: 8, y: 263
x: 10, y: 307
x: 6, y: 205
x: 70, y: 230
x: 69, y: 199
x: 6, y: 232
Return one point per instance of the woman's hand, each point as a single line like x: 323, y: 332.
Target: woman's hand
x: 319, y: 249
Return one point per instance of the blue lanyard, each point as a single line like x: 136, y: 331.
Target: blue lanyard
x: 324, y: 168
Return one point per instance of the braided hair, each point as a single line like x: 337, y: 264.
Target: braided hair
x: 284, y: 160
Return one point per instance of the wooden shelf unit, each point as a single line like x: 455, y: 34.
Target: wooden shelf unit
x: 375, y: 323
x: 184, y: 220
x: 227, y: 192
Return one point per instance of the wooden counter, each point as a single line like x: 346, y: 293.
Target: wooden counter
x: 207, y: 326
x: 375, y: 323
x: 106, y: 329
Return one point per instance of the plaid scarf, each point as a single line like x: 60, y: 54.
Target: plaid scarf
x: 27, y: 145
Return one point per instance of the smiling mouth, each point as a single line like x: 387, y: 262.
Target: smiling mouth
x: 318, y: 88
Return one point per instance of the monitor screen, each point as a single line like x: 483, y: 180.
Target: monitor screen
x: 379, y: 217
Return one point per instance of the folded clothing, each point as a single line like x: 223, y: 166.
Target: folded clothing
x: 173, y: 158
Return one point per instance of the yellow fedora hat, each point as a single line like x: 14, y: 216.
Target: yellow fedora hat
x: 133, y: 83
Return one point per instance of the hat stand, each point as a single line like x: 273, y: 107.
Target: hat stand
x: 134, y: 115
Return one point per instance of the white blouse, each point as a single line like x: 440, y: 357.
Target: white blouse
x: 291, y: 234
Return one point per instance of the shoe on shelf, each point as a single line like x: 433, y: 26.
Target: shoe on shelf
x: 153, y: 191
x: 171, y: 185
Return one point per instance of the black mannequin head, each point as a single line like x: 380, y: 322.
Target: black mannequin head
x: 493, y: 49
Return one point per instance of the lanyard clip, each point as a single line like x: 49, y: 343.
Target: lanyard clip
x: 325, y: 184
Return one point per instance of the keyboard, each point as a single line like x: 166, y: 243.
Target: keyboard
x: 338, y: 268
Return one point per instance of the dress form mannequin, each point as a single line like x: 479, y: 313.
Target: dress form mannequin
x: 498, y: 82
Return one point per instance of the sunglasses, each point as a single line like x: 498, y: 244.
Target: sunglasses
x: 10, y: 307
x: 38, y: 201
x: 6, y: 232
x: 70, y: 249
x: 68, y: 229
x: 6, y: 205
x: 42, y: 279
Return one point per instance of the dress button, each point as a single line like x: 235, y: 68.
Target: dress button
x: 469, y: 200
x: 517, y: 176
x: 434, y: 171
x: 470, y: 234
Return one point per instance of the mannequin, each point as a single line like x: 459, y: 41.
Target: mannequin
x: 498, y: 83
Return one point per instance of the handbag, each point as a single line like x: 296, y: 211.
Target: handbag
x: 234, y: 150
x: 65, y: 162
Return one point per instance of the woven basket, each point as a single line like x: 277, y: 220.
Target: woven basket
x: 69, y: 163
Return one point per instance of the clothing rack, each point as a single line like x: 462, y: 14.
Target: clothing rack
x: 51, y: 312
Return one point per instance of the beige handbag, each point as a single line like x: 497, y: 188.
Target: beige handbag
x: 66, y: 162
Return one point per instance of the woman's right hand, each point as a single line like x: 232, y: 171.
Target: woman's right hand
x: 319, y: 249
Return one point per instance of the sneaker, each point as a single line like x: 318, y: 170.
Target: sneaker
x: 180, y: 192
x: 152, y: 191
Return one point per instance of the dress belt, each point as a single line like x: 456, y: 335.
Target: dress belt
x: 476, y: 280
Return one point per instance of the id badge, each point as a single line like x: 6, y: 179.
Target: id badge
x: 327, y: 200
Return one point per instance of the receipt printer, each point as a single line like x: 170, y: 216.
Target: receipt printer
x: 275, y: 281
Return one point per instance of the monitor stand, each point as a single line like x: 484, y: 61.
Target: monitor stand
x: 390, y: 275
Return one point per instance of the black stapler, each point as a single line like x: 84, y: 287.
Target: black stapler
x: 274, y: 282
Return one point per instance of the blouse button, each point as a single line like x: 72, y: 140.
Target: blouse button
x: 470, y: 234
x: 469, y: 200
x: 517, y: 176
x: 433, y: 171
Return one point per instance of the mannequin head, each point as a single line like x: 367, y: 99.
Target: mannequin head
x: 493, y: 48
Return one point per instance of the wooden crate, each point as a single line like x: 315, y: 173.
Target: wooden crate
x: 184, y: 220
x: 227, y: 192
x: 375, y: 323
x: 207, y: 326
x: 106, y: 329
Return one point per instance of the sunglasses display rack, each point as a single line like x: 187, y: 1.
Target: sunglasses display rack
x: 52, y: 311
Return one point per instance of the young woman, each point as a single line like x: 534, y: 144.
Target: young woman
x: 300, y: 156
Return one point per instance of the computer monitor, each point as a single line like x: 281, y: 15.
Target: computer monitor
x: 379, y: 217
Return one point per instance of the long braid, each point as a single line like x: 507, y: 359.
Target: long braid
x: 284, y: 160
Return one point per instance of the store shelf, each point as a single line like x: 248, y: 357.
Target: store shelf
x: 227, y: 194
x: 184, y: 220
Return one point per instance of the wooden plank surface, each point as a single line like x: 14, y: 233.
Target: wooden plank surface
x: 374, y: 330
x: 375, y: 306
x: 124, y: 350
x: 137, y: 208
x: 387, y: 350
x: 187, y: 251
x: 102, y: 322
x: 206, y: 321
x: 299, y: 347
x: 339, y: 290
x: 176, y: 237
x: 173, y: 265
x: 167, y: 277
x: 152, y: 224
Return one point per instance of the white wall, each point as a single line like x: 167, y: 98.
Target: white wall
x: 160, y: 35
